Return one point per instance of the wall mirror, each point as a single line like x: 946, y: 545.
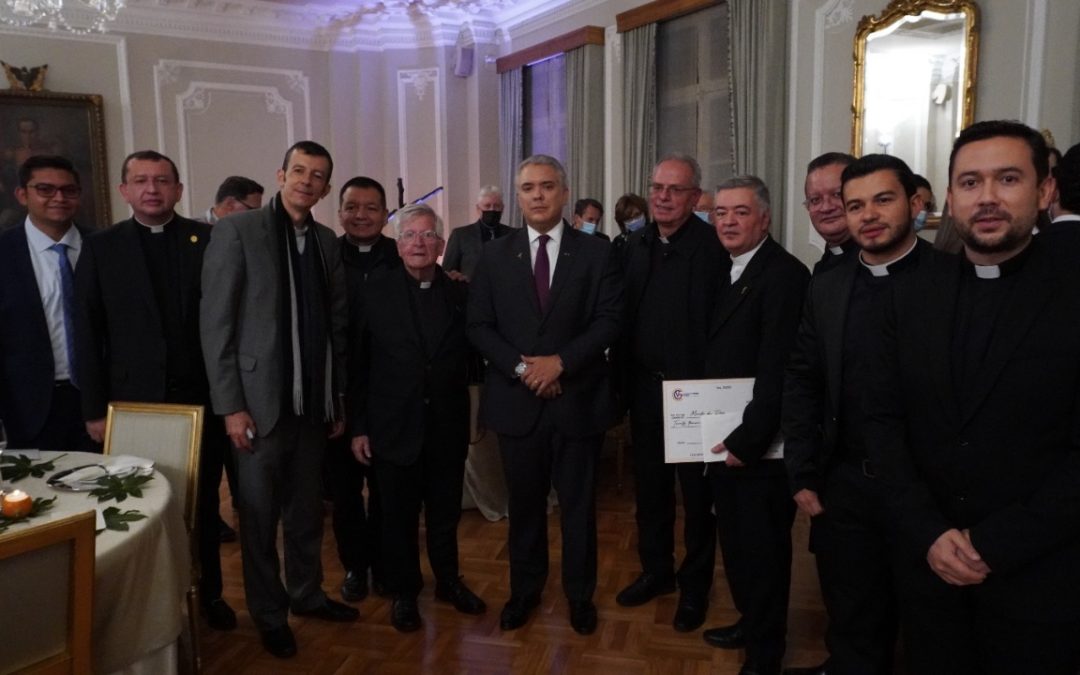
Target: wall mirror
x: 915, y: 68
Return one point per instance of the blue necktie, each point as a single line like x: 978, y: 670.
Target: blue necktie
x: 67, y: 290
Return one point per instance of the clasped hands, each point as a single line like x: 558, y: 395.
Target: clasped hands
x: 953, y: 558
x: 542, y: 375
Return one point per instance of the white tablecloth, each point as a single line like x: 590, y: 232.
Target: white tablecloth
x: 140, y: 576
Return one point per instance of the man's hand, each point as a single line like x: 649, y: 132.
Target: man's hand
x: 955, y: 560
x: 96, y: 430
x: 361, y: 449
x: 337, y: 428
x: 240, y: 429
x: 456, y: 275
x: 541, y: 371
x: 808, y: 502
x: 551, y: 391
x: 731, y: 459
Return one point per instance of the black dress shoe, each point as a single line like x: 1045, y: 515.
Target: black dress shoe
x: 516, y: 612
x: 279, y: 642
x: 690, y: 613
x: 219, y: 615
x: 354, y: 588
x: 583, y: 617
x: 810, y: 670
x: 464, y: 600
x: 405, y: 615
x: 226, y: 534
x: 645, y: 588
x: 331, y: 611
x: 727, y: 637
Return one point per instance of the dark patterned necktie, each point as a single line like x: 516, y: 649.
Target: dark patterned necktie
x: 542, y: 272
x: 67, y: 292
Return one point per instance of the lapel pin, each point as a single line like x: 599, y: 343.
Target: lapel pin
x: 194, y: 239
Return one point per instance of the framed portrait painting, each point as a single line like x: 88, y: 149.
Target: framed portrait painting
x: 50, y: 123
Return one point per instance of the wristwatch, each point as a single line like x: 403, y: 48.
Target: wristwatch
x: 519, y: 369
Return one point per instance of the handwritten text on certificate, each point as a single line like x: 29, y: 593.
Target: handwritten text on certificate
x: 699, y: 414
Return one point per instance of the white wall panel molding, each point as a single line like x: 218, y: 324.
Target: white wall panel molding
x: 421, y: 122
x: 1034, y: 59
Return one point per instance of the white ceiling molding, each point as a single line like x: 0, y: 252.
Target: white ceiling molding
x: 370, y: 25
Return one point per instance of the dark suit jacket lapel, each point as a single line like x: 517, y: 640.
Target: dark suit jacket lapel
x: 130, y: 249
x: 733, y: 294
x: 24, y: 271
x: 836, y: 293
x: 564, y: 265
x: 522, y: 262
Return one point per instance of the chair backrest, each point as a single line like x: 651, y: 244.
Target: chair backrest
x: 46, y: 596
x: 168, y: 434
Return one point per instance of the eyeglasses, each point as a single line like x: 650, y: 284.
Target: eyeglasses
x: 677, y: 190
x: 48, y: 190
x: 817, y: 201
x: 426, y: 236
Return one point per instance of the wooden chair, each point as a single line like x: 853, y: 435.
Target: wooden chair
x: 46, y: 604
x: 171, y: 436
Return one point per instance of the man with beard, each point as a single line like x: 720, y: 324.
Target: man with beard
x: 825, y: 205
x: 465, y: 243
x: 972, y: 425
x: 824, y: 438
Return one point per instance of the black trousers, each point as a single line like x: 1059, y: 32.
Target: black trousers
x: 532, y: 464
x: 961, y: 630
x: 215, y: 446
x: 853, y: 545
x: 356, y: 525
x: 64, y: 427
x: 655, y: 497
x: 754, y: 513
x: 434, y: 482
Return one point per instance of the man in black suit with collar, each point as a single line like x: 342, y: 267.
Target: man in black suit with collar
x: 364, y: 251
x: 543, y: 307
x: 752, y: 329
x: 39, y: 400
x: 672, y: 268
x: 466, y: 242
x: 972, y: 425
x: 138, y: 288
x: 824, y: 437
x: 410, y: 412
x: 825, y: 205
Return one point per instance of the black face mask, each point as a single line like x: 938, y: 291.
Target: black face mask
x: 490, y: 218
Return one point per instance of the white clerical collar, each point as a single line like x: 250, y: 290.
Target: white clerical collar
x: 882, y: 270
x: 555, y: 233
x: 300, y: 231
x: 364, y: 248
x: 425, y: 285
x: 836, y: 250
x: 155, y: 229
x: 743, y: 259
x: 1066, y: 217
x: 988, y: 271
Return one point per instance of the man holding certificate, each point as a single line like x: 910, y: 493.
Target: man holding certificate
x: 755, y: 317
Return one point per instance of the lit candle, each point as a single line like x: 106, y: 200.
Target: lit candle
x: 16, y: 504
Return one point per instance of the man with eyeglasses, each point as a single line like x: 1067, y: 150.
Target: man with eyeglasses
x: 235, y: 194
x: 826, y: 208
x: 673, y: 266
x: 364, y: 251
x: 39, y: 399
x: 409, y: 412
x: 137, y: 288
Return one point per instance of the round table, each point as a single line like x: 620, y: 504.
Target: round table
x: 140, y: 576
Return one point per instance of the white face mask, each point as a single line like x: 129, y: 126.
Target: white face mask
x: 920, y: 220
x: 635, y: 224
x: 704, y: 215
x: 587, y: 227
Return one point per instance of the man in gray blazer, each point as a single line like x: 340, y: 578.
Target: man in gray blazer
x: 273, y: 320
x: 465, y: 242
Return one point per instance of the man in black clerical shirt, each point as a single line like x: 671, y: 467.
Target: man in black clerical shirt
x: 137, y: 288
x: 825, y: 446
x: 410, y: 412
x: 364, y: 250
x: 826, y: 207
x: 672, y: 269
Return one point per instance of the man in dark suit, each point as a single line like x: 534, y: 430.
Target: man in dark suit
x: 412, y: 416
x: 972, y: 425
x: 543, y: 307
x: 466, y: 242
x: 672, y: 268
x: 589, y: 216
x: 137, y: 333
x: 364, y: 251
x: 273, y: 320
x: 826, y: 208
x: 824, y: 437
x: 39, y: 403
x: 236, y: 194
x: 752, y: 329
x: 1065, y: 212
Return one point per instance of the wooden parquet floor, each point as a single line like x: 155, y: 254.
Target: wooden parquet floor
x: 630, y: 641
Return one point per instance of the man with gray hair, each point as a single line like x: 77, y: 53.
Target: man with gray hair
x: 410, y: 412
x: 465, y: 243
x: 543, y: 308
x: 673, y: 266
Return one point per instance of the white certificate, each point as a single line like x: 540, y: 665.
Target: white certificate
x: 700, y: 414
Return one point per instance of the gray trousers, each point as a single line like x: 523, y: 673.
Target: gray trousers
x: 280, y: 480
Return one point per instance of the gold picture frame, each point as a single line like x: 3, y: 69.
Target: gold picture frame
x: 53, y: 123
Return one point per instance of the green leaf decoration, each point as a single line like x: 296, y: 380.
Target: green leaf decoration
x: 39, y: 506
x: 20, y: 466
x: 118, y: 520
x: 113, y: 487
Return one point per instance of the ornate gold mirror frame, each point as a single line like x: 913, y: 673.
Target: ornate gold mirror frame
x: 896, y: 14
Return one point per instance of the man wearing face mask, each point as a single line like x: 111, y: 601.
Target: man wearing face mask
x: 588, y: 213
x: 464, y: 245
x: 926, y: 191
x: 630, y: 213
x: 705, y: 205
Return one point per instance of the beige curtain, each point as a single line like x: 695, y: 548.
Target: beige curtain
x: 759, y: 41
x: 511, y: 149
x: 639, y: 108
x: 585, y: 122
